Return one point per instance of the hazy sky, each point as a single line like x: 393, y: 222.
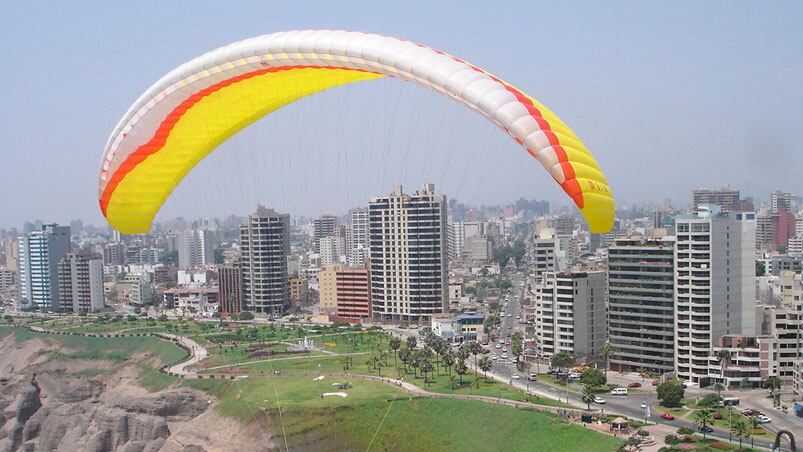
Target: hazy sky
x: 667, y: 96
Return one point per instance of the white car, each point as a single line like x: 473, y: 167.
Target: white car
x: 643, y: 404
x: 516, y: 376
x: 494, y: 357
x: 510, y: 315
x: 504, y: 349
x: 504, y: 355
x: 762, y: 419
x: 599, y: 400
x: 498, y: 345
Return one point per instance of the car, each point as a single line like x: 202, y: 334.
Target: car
x: 485, y: 351
x: 510, y: 315
x: 717, y: 416
x: 574, y: 376
x: 504, y: 355
x: 495, y: 357
x: 532, y: 377
x: 634, y: 385
x: 498, y: 345
x: 667, y: 416
x: 599, y: 400
x: 750, y: 412
x: 643, y: 404
x: 705, y: 429
x: 761, y: 419
x: 515, y: 376
x: 504, y: 349
x: 656, y: 382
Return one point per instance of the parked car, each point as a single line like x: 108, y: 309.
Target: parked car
x: 532, y: 377
x: 634, y: 385
x: 750, y: 412
x: 599, y: 400
x: 495, y: 357
x: 667, y: 416
x: 762, y: 419
x: 515, y: 376
x: 705, y: 429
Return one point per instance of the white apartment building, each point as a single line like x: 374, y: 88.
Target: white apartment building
x: 39, y: 255
x: 570, y: 313
x: 714, y: 286
x: 195, y: 249
x: 408, y: 255
x: 357, y: 237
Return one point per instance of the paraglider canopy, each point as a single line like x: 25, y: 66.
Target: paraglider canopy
x: 200, y: 104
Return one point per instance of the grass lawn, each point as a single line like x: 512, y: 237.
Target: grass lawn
x: 385, y: 418
x: 116, y: 349
x: 153, y: 380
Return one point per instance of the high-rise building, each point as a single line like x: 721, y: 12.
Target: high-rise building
x: 780, y: 201
x: 331, y: 248
x: 570, y: 314
x: 564, y: 225
x: 114, y: 254
x: 80, y: 278
x: 641, y: 304
x: 714, y: 285
x: 357, y: 237
x: 11, y: 252
x: 39, y: 254
x: 327, y: 290
x: 345, y: 292
x: 323, y: 227
x: 299, y: 292
x: 726, y: 198
x: 408, y: 255
x: 548, y: 255
x: 230, y: 288
x: 196, y: 248
x: 264, y: 247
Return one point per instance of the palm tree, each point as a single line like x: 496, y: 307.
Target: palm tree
x: 742, y: 430
x: 460, y: 368
x: 486, y: 364
x: 475, y: 348
x: 704, y: 417
x: 448, y: 360
x: 724, y: 356
x: 754, y: 424
x: 605, y: 354
x: 395, y: 345
x: 412, y: 342
x: 588, y: 395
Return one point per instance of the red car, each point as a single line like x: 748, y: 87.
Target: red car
x: 667, y: 416
x: 634, y: 385
x: 717, y: 416
x: 655, y: 382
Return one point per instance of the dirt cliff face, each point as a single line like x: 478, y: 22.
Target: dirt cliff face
x: 44, y: 408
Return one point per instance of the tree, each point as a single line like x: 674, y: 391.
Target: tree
x: 412, y: 342
x: 486, y: 364
x: 593, y: 377
x: 670, y: 393
x: 754, y: 424
x: 517, y: 345
x: 704, y: 417
x: 741, y: 430
x: 448, y: 360
x: 588, y: 395
x: 395, y: 345
x: 246, y: 315
x: 773, y: 384
x: 460, y: 368
x: 475, y: 349
x: 561, y: 360
x: 724, y: 356
x: 605, y: 354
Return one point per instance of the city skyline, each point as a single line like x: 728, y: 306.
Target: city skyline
x: 703, y: 131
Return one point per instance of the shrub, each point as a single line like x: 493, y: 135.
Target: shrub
x: 709, y: 401
x: 685, y: 431
x: 671, y: 440
x: 643, y: 433
x: 719, y: 445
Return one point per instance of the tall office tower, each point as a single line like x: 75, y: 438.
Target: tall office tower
x: 39, y: 254
x: 80, y: 278
x: 570, y: 314
x: 11, y: 251
x: 714, y: 285
x: 323, y: 227
x: 357, y: 237
x: 330, y: 250
x: 781, y: 201
x: 548, y: 254
x: 408, y: 255
x: 230, y: 288
x: 114, y: 254
x: 196, y: 248
x: 456, y: 240
x: 726, y: 198
x: 264, y: 247
x: 641, y: 304
x: 564, y: 225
